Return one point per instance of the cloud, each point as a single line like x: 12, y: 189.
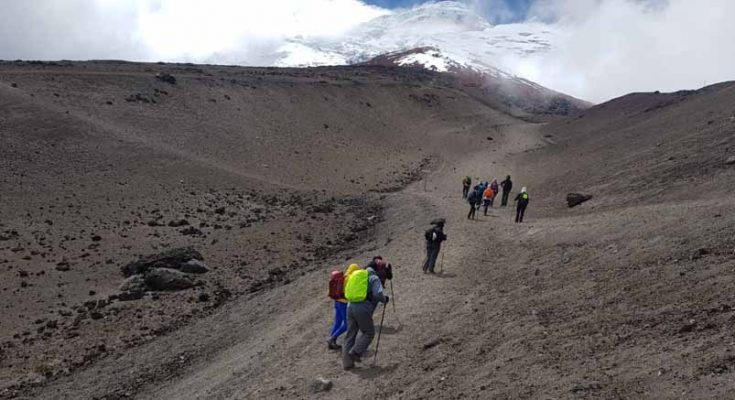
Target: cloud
x: 172, y: 30
x: 607, y: 48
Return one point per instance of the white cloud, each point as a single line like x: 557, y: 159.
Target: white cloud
x: 171, y: 30
x: 608, y: 48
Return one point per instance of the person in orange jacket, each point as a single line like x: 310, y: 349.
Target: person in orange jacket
x: 487, y: 198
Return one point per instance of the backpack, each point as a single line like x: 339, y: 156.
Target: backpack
x: 357, y: 286
x: 381, y: 269
x: 429, y: 234
x: 524, y: 195
x: 337, y: 285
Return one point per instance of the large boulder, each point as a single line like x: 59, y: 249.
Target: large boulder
x: 173, y: 259
x: 134, y: 284
x: 194, y: 267
x: 166, y: 279
x: 575, y: 199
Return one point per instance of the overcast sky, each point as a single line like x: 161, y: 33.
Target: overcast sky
x: 606, y: 47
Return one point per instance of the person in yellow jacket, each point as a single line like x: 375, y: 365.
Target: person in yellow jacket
x: 340, y: 313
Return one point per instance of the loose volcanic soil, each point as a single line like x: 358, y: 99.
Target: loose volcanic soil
x: 278, y: 176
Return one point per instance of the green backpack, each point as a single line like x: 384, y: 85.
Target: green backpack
x: 357, y: 286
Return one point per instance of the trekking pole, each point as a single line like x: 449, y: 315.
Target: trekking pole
x: 380, y: 330
x: 441, y: 265
x: 393, y: 300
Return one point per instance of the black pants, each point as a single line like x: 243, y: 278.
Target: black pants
x: 465, y: 191
x: 471, y: 214
x: 432, y: 253
x: 520, y: 210
x: 504, y: 201
x: 486, y: 204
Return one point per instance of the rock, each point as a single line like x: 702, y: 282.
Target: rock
x: 134, y: 284
x: 194, y: 267
x: 177, y: 223
x: 575, y: 199
x: 63, y: 266
x: 169, y: 259
x: 166, y: 279
x: 320, y: 385
x: 730, y: 160
x: 699, y: 253
x: 96, y: 315
x: 166, y: 77
x: 688, y: 327
x: 220, y: 211
x: 96, y: 238
x: 129, y: 296
x: 191, y: 231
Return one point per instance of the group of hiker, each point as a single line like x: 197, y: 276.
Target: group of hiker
x: 484, y: 194
x: 356, y: 293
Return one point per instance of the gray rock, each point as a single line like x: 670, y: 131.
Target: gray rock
x: 169, y: 259
x: 575, y: 199
x: 134, y: 284
x: 194, y: 267
x: 319, y: 385
x: 730, y: 160
x: 166, y: 279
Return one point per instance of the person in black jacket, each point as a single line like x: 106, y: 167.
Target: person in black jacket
x: 474, y: 199
x: 507, y: 185
x: 434, y: 238
x: 522, y: 199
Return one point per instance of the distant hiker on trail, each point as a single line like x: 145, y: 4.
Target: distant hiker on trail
x: 434, y: 238
x: 494, y: 186
x: 384, y: 271
x: 473, y: 199
x: 337, y: 281
x: 466, y: 184
x: 522, y: 200
x: 478, y: 193
x: 363, y: 292
x: 507, y: 185
x: 487, y: 198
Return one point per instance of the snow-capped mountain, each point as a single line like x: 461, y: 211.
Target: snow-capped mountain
x: 450, y: 26
x: 443, y: 36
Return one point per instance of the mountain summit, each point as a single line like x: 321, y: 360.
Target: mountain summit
x: 444, y: 36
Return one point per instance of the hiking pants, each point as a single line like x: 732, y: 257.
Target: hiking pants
x: 485, y: 204
x: 340, y: 320
x: 432, y: 254
x: 465, y: 191
x: 359, y: 319
x: 471, y: 214
x: 504, y: 200
x: 520, y: 210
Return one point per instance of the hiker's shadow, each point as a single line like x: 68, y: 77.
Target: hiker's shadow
x: 447, y: 275
x: 370, y: 371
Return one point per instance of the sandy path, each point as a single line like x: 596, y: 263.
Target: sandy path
x: 286, y: 351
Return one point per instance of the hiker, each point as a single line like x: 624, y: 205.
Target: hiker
x: 522, y: 200
x: 487, y: 198
x: 363, y: 291
x: 478, y: 193
x: 384, y: 271
x: 473, y: 199
x: 494, y: 186
x: 337, y: 282
x: 507, y: 185
x: 466, y: 184
x: 434, y: 238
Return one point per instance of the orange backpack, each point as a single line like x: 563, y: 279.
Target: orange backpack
x: 337, y: 285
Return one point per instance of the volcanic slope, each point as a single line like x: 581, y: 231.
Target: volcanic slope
x: 268, y: 173
x: 627, y: 296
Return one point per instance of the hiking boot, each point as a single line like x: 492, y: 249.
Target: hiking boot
x: 332, y: 344
x: 354, y: 357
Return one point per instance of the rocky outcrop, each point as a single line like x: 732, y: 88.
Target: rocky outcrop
x: 575, y: 199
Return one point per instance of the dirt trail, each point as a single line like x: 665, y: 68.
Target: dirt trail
x: 290, y: 352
